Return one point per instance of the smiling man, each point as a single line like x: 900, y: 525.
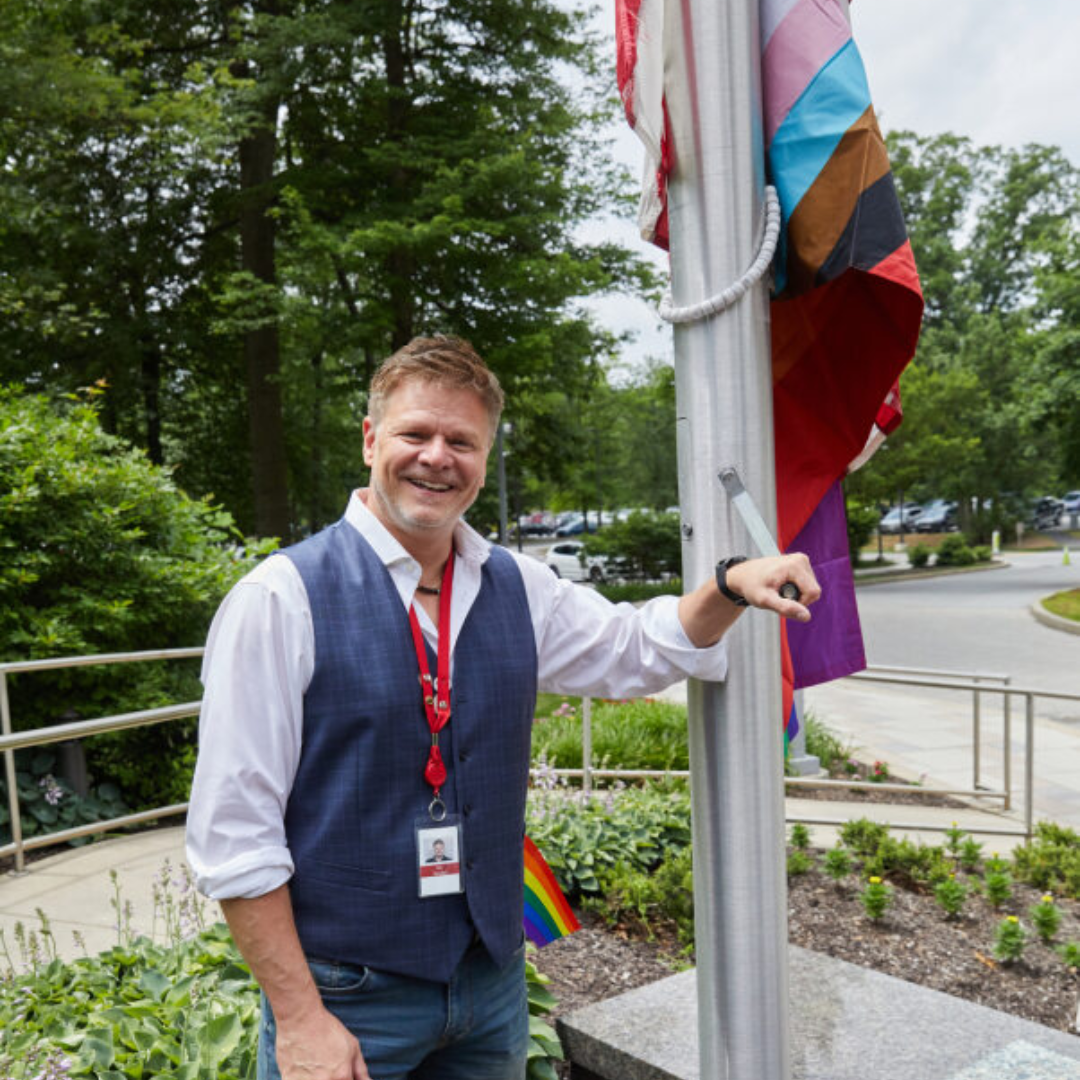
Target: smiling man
x: 370, y: 695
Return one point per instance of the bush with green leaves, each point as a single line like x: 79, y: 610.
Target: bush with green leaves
x: 997, y: 886
x: 950, y: 895
x: 837, y: 863
x: 47, y: 804
x: 954, y: 551
x: 861, y: 522
x: 863, y: 836
x: 103, y: 553
x: 1046, y: 918
x: 637, y: 734
x: 185, y: 1008
x: 1051, y: 861
x: 584, y: 838
x: 825, y: 745
x: 1010, y: 940
x: 632, y: 592
x: 918, y: 555
x: 647, y: 544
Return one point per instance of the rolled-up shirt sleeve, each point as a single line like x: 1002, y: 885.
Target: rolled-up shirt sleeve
x: 258, y: 663
x: 586, y: 645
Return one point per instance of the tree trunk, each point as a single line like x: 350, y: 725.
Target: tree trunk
x: 262, y: 356
x: 399, y: 263
x: 150, y: 381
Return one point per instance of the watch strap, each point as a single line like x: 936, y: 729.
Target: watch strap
x: 722, y: 568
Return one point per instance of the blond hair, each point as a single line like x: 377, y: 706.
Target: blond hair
x: 444, y: 360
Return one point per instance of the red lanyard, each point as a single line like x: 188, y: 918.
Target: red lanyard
x: 436, y: 692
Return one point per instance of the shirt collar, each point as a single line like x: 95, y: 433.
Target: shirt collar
x: 468, y: 543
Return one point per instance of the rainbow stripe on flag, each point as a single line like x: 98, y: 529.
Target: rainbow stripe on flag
x: 547, y: 914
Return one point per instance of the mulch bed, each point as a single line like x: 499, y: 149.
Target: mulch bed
x: 913, y: 941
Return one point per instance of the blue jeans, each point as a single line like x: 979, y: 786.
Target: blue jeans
x: 476, y: 1027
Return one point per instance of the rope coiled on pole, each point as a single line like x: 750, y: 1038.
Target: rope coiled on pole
x: 723, y: 300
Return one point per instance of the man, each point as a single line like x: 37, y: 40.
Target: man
x: 438, y: 852
x: 334, y: 743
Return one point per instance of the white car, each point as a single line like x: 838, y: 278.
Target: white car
x: 566, y: 561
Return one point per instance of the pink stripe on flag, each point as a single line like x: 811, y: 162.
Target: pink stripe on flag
x: 810, y: 35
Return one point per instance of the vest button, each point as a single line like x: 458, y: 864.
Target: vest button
x: 469, y: 864
x: 466, y: 809
x: 463, y: 756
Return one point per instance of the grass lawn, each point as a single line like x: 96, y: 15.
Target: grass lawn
x: 1066, y: 604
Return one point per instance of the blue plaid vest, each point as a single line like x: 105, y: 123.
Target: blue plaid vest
x: 359, y: 788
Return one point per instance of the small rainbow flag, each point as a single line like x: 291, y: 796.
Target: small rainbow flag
x: 547, y: 914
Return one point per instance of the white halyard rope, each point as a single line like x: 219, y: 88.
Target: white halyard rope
x: 715, y: 304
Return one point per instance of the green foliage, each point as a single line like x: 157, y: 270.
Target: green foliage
x: 876, y: 898
x: 863, y: 836
x: 185, y: 1009
x: 583, y: 839
x: 862, y: 520
x: 997, y: 887
x: 631, y: 592
x: 988, y: 399
x: 918, y: 555
x: 636, y: 734
x: 1051, y: 861
x: 950, y: 895
x: 954, y: 837
x: 48, y: 804
x: 104, y: 554
x: 1046, y: 918
x: 837, y: 863
x: 954, y: 551
x: 825, y: 745
x: 644, y: 544
x: 1010, y: 940
x: 1070, y: 954
x: 800, y: 836
x: 970, y: 853
x: 798, y: 862
x: 544, y: 1046
x: 921, y: 864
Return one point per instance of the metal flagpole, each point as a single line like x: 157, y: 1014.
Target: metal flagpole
x: 724, y: 408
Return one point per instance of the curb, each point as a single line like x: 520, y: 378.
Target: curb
x: 877, y: 577
x: 1055, y: 622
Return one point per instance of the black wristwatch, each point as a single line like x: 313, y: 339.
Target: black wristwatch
x: 722, y: 568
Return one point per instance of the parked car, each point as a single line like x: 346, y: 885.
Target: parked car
x: 1071, y: 503
x: 576, y: 525
x: 938, y: 516
x: 538, y: 524
x: 891, y: 522
x: 1045, y: 512
x: 567, y: 559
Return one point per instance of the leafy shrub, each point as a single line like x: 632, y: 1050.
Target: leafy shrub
x: 861, y: 523
x: 982, y: 552
x: 921, y: 864
x: 647, y: 543
x: 103, y: 553
x: 863, y: 836
x: 876, y: 898
x: 48, y: 804
x: 837, y: 863
x: 998, y: 888
x: 638, y: 734
x: 800, y: 836
x: 1046, y: 918
x: 919, y: 555
x: 798, y: 862
x: 631, y: 592
x: 950, y: 895
x: 583, y: 839
x: 1010, y: 940
x: 1051, y: 861
x: 954, y: 551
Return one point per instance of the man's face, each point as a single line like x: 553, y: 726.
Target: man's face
x: 439, y: 847
x: 428, y: 458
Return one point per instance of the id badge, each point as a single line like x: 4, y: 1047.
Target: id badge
x: 439, y: 857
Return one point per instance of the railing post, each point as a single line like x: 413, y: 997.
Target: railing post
x: 1007, y: 762
x: 1029, y: 766
x: 976, y: 721
x: 12, y: 783
x: 586, y: 745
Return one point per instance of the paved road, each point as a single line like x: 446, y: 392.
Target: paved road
x: 977, y: 622
x: 968, y: 622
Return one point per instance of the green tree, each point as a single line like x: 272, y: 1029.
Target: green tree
x: 102, y: 553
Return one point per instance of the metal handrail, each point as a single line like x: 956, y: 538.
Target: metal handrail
x: 9, y: 743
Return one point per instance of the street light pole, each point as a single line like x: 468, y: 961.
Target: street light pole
x: 724, y: 418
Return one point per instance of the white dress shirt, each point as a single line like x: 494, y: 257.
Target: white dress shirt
x: 260, y: 657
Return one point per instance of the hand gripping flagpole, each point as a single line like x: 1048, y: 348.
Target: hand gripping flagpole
x: 724, y: 420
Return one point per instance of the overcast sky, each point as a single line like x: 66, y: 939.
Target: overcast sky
x: 1002, y: 72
